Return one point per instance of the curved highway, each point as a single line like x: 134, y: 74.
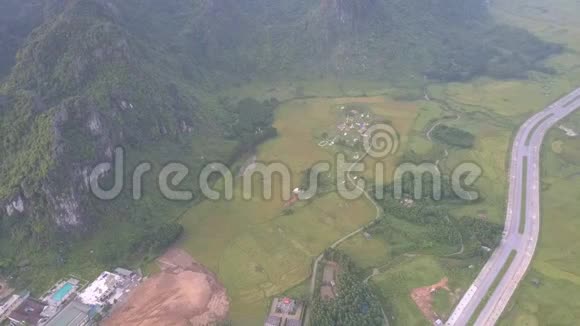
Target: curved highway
x: 522, y: 224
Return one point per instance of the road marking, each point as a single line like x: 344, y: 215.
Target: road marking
x: 461, y: 306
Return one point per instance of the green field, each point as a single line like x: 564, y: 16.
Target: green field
x: 260, y: 248
x: 414, y: 272
x: 492, y: 110
x: 550, y: 292
x: 400, y: 280
x: 258, y: 251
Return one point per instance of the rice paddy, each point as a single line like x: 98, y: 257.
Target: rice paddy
x: 259, y: 249
x: 256, y: 247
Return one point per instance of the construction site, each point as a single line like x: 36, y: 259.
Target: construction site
x: 183, y: 293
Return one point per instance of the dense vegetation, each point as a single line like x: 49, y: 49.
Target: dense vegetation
x: 453, y: 136
x: 355, y: 304
x: 17, y: 20
x: 485, y: 233
x: 392, y: 39
x: 141, y: 241
x: 436, y: 225
x: 252, y: 121
x: 80, y: 77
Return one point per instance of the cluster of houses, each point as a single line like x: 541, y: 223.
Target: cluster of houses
x: 285, y: 312
x: 70, y: 302
x: 351, y: 130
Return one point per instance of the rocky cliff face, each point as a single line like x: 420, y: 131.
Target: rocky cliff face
x: 102, y: 73
x: 81, y: 76
x: 62, y: 194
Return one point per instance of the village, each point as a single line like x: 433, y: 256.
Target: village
x: 71, y: 301
x: 350, y: 131
x: 347, y: 138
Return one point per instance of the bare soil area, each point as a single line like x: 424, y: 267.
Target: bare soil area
x: 183, y: 293
x: 423, y: 298
x: 5, y: 290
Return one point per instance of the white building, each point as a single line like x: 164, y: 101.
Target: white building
x: 101, y: 290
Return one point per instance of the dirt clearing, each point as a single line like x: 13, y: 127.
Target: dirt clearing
x: 5, y: 290
x: 423, y: 298
x: 183, y: 293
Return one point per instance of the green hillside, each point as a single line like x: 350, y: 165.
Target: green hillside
x: 81, y: 77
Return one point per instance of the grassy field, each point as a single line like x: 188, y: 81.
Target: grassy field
x: 412, y: 272
x: 400, y: 280
x: 367, y: 254
x: 258, y: 251
x: 492, y: 110
x: 550, y: 292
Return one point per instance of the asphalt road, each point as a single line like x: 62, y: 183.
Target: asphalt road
x: 524, y: 176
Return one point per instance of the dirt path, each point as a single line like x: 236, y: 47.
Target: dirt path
x: 377, y: 216
x: 343, y: 239
x: 350, y: 235
x: 183, y: 293
x: 445, y: 156
x: 438, y: 123
x: 430, y: 131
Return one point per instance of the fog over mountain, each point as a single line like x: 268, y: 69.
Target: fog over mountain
x: 80, y: 77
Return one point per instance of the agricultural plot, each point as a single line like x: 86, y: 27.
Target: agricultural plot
x: 259, y: 248
x: 405, y: 279
x: 367, y: 253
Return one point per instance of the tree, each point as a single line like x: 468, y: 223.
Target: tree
x: 355, y: 305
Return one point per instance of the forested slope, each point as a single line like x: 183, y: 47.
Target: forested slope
x: 81, y: 77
